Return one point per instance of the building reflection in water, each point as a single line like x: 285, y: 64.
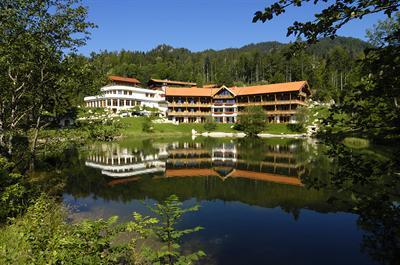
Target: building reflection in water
x: 121, y: 162
x: 193, y: 159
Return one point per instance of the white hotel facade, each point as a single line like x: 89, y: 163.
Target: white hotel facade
x: 123, y: 94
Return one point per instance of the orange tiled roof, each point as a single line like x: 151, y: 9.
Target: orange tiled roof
x: 240, y: 91
x: 172, y: 82
x: 124, y: 79
x: 271, y: 88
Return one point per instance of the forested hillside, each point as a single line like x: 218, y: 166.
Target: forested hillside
x: 327, y: 65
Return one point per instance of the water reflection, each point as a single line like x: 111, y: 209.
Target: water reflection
x: 275, y: 199
x: 118, y: 162
x: 194, y: 159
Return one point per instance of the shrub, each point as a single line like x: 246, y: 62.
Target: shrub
x: 210, y: 125
x: 252, y: 121
x: 296, y: 127
x: 147, y: 125
x: 15, y: 191
x: 43, y: 237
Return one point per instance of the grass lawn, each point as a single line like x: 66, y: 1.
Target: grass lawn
x: 132, y: 126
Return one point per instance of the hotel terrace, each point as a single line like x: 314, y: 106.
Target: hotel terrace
x: 194, y: 104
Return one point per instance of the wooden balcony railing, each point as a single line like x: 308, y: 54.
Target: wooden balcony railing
x: 188, y: 104
x: 271, y: 103
x: 277, y: 112
x: 188, y: 113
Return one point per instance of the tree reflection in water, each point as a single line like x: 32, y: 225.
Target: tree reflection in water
x: 334, y: 178
x: 370, y: 183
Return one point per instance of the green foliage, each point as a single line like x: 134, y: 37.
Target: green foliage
x: 38, y: 79
x: 370, y: 106
x: 43, y: 237
x: 147, y: 125
x: 210, y: 125
x: 382, y: 33
x: 354, y: 142
x: 99, y: 123
x: 169, y: 214
x: 101, y: 132
x: 330, y: 19
x: 302, y: 116
x: 14, y: 191
x: 252, y: 121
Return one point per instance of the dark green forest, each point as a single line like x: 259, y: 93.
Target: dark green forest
x: 327, y: 65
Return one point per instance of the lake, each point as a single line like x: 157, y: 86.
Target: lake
x: 260, y: 203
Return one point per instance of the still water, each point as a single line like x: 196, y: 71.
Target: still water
x: 257, y: 203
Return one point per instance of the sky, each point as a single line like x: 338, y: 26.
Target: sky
x: 194, y: 24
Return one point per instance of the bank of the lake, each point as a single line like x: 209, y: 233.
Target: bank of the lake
x: 128, y: 127
x: 133, y: 126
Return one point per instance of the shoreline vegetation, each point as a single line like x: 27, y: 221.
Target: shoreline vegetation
x: 134, y: 127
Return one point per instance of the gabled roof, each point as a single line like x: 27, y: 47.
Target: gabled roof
x: 239, y: 91
x: 123, y: 79
x: 171, y: 82
x: 271, y: 88
x: 215, y: 91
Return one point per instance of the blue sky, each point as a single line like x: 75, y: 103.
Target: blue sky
x: 193, y: 24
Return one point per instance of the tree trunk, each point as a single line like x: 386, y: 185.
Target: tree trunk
x: 36, y: 132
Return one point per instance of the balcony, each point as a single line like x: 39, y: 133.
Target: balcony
x: 188, y: 113
x: 277, y: 112
x: 217, y: 104
x: 271, y: 103
x: 189, y: 104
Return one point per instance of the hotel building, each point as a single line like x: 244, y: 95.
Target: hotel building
x: 124, y: 93
x: 184, y: 102
x: 279, y: 101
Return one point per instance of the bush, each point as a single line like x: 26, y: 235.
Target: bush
x: 296, y: 127
x: 43, y: 237
x: 252, y: 121
x: 147, y: 126
x: 15, y: 191
x: 210, y: 125
x: 102, y: 132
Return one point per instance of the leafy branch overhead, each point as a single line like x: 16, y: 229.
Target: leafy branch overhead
x: 330, y: 19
